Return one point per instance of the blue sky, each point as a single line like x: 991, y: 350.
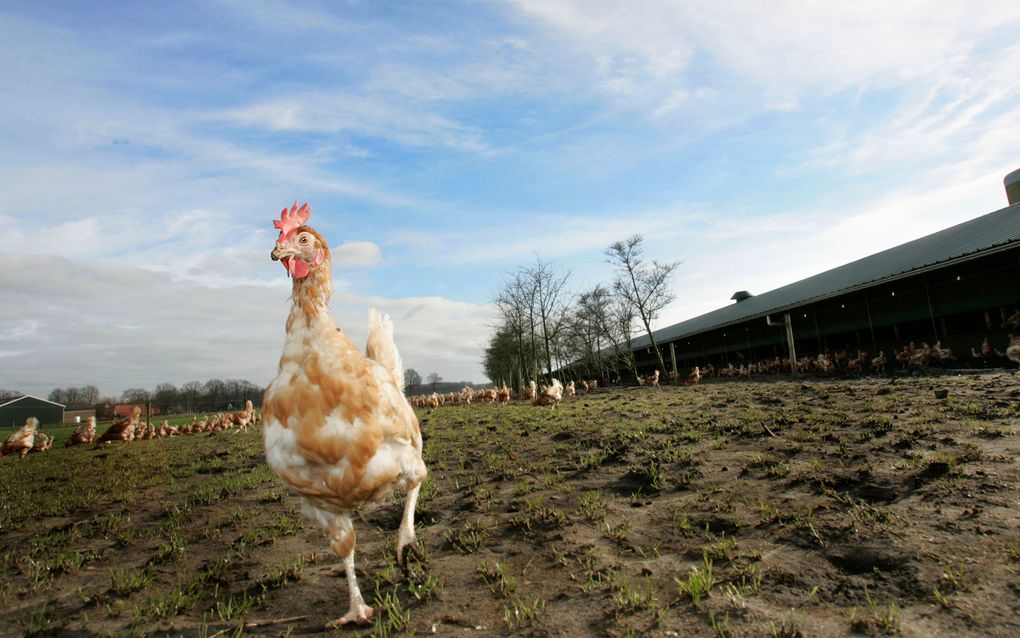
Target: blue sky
x: 145, y: 149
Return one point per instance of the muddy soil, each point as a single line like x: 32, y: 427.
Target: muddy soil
x: 818, y: 507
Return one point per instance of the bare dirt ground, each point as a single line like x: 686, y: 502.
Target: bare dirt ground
x: 804, y: 507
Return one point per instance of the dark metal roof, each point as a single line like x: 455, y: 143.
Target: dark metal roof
x: 997, y: 230
x: 29, y: 396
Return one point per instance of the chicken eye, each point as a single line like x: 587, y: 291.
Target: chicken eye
x: 303, y: 240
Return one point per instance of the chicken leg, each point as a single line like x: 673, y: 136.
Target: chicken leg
x: 406, y: 536
x: 342, y: 542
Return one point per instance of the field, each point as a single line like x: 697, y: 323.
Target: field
x: 763, y: 508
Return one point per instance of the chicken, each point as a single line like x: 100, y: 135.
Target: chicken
x: 503, y: 395
x: 22, y: 440
x: 84, y: 434
x: 694, y: 377
x: 529, y: 390
x: 571, y: 389
x: 123, y: 430
x: 466, y: 394
x: 1013, y: 350
x: 941, y: 354
x: 986, y: 351
x: 432, y: 401
x: 550, y: 395
x: 651, y: 379
x: 242, y: 419
x: 878, y: 363
x: 857, y: 363
x: 43, y: 442
x: 336, y: 425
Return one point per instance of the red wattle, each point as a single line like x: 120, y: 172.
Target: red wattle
x: 296, y: 267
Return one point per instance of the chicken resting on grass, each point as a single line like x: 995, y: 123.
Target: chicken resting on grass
x: 336, y: 425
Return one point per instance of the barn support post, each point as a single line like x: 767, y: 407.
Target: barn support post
x: 672, y: 357
x: 789, y: 340
x: 788, y: 323
x: 931, y: 311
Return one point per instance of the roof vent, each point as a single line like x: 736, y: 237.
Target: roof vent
x: 1012, y: 183
x: 742, y: 295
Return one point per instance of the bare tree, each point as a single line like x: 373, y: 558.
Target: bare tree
x: 515, y: 302
x: 190, y: 393
x: 500, y: 360
x: 135, y: 395
x: 89, y: 394
x: 644, y: 287
x: 551, y: 302
x: 411, y: 381
x: 7, y: 395
x: 586, y: 329
x: 434, y: 380
x: 165, y: 397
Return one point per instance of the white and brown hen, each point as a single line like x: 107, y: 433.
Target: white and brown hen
x: 22, y: 440
x: 336, y: 425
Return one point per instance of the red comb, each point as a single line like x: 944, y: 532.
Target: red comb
x: 291, y: 220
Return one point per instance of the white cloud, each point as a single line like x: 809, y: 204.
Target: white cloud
x: 119, y: 326
x: 321, y: 112
x: 358, y: 254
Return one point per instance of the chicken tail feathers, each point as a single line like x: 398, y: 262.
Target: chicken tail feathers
x: 381, y: 347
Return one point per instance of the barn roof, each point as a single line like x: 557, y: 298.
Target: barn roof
x: 29, y: 396
x: 995, y: 231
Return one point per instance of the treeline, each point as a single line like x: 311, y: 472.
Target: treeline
x: 414, y: 384
x: 545, y: 326
x: 193, y: 396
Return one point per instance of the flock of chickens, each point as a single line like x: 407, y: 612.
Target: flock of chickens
x: 547, y: 395
x: 130, y: 428
x: 825, y: 363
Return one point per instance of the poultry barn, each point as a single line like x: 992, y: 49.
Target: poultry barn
x: 14, y: 412
x: 954, y: 290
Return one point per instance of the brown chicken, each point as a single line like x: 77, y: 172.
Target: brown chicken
x: 123, y: 430
x: 242, y: 419
x: 1013, y: 350
x: 651, y: 379
x: 21, y: 440
x: 84, y: 434
x: 337, y: 427
x: 529, y: 390
x: 550, y: 395
x: 43, y: 442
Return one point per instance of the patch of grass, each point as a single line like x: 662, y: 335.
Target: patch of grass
x: 497, y: 578
x: 772, y: 465
x: 698, y: 583
x: 127, y: 581
x: 593, y: 506
x: 884, y: 618
x: 790, y: 626
x: 467, y: 540
x: 650, y: 474
x: 536, y: 516
x: 629, y: 599
x: 523, y: 614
